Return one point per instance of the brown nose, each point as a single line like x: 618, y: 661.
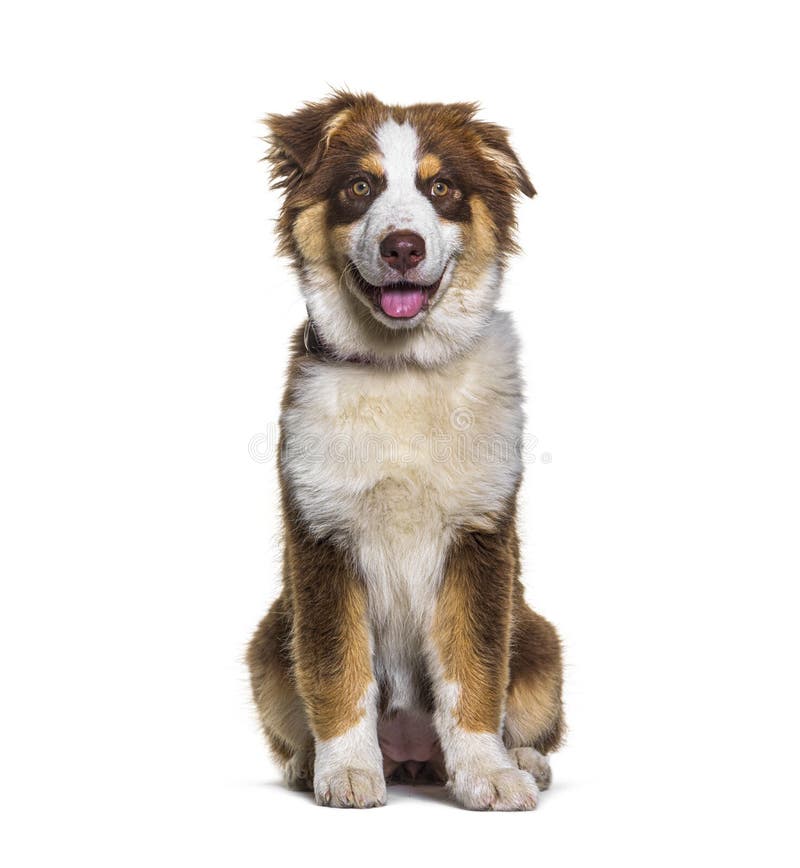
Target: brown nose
x: 403, y: 250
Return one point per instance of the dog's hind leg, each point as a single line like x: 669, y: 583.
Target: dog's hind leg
x: 280, y: 708
x: 534, y: 722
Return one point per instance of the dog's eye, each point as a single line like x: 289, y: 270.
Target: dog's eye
x: 361, y: 188
x: 439, y: 188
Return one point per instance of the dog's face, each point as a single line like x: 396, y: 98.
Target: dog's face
x: 400, y: 221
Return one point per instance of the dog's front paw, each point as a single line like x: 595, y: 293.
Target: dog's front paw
x: 350, y: 788
x: 533, y: 762
x: 501, y: 789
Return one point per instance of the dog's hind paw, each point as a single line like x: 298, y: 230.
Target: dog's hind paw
x: 530, y: 760
x: 502, y: 789
x: 350, y: 788
x: 299, y: 771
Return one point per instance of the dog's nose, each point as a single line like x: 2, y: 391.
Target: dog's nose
x: 403, y: 250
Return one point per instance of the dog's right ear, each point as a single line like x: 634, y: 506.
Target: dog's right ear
x: 298, y: 141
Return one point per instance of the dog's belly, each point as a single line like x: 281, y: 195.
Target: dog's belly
x: 407, y: 736
x: 409, y: 742
x: 410, y: 747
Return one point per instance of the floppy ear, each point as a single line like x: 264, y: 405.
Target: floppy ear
x: 297, y: 141
x: 497, y: 149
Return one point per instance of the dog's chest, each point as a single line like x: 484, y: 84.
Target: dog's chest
x: 400, y: 455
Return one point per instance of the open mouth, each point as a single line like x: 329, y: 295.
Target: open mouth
x: 402, y: 300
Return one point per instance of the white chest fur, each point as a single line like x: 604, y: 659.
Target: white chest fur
x: 392, y: 463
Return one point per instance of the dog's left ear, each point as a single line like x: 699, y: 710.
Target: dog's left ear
x: 298, y: 141
x: 497, y: 149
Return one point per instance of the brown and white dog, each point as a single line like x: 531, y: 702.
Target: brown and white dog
x: 401, y: 645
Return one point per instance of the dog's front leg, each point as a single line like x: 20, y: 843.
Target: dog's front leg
x: 332, y: 663
x: 469, y: 654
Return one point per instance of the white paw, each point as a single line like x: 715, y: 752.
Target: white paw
x: 502, y: 789
x: 350, y: 788
x: 533, y: 762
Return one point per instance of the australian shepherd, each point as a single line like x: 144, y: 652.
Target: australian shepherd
x: 401, y: 646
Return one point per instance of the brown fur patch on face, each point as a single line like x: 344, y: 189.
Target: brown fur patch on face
x: 310, y: 233
x: 347, y: 206
x: 479, y: 246
x: 429, y: 167
x: 471, y: 625
x: 452, y: 205
x: 372, y: 164
x: 339, y: 237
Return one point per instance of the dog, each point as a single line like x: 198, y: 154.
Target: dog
x: 401, y: 647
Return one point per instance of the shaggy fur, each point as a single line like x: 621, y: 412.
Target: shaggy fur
x: 401, y: 646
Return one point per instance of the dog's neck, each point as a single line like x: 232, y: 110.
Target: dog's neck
x: 318, y: 348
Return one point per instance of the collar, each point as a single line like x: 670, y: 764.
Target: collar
x: 316, y: 346
x: 312, y: 341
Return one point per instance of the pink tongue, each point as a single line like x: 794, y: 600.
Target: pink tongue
x: 402, y: 303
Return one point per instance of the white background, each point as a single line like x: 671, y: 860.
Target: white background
x: 143, y: 336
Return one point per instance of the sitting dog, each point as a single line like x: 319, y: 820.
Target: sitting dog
x: 401, y: 646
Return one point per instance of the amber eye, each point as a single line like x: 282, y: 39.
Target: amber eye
x: 361, y: 188
x: 439, y: 188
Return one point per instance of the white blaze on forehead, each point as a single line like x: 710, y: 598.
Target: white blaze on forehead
x: 399, y: 145
x: 402, y: 205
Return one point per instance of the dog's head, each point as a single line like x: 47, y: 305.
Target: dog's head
x: 399, y: 219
